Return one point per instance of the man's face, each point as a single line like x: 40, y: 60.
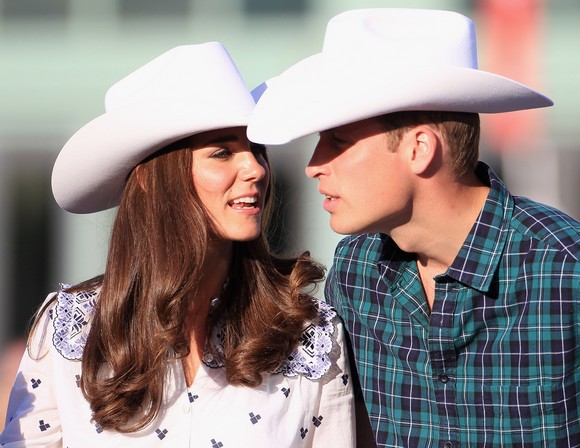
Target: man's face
x: 366, y: 183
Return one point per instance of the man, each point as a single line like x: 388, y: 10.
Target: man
x: 461, y: 300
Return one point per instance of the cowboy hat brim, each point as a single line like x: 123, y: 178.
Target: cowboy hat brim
x: 314, y: 95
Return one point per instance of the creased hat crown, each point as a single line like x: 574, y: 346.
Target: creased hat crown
x: 202, y: 73
x: 441, y: 38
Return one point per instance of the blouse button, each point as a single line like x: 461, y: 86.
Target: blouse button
x: 185, y: 408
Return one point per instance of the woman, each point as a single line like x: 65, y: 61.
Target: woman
x: 195, y: 335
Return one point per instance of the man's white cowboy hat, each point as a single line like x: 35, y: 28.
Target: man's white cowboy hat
x: 185, y: 91
x: 377, y: 61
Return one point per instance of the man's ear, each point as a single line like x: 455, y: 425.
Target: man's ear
x: 424, y: 147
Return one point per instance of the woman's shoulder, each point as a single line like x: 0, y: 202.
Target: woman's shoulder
x: 71, y: 314
x: 319, y: 347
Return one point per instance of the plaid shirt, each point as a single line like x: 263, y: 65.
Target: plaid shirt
x: 496, y: 362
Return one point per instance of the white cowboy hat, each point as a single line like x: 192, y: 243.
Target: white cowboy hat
x: 377, y: 61
x: 185, y: 91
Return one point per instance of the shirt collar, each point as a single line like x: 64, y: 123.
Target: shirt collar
x: 479, y: 257
x: 390, y: 258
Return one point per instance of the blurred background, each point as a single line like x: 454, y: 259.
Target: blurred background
x: 58, y: 58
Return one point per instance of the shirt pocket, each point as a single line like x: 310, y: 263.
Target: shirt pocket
x: 528, y: 407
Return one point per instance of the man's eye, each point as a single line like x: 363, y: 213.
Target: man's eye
x: 341, y: 143
x: 341, y: 139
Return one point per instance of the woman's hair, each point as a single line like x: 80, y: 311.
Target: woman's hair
x: 459, y: 130
x: 158, y: 243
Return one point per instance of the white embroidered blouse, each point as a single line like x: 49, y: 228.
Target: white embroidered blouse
x: 309, y: 403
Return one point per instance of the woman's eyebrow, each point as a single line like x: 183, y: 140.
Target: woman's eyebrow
x: 220, y: 140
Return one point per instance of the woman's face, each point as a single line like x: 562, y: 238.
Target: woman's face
x: 231, y: 176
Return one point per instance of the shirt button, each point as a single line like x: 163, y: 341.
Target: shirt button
x: 448, y: 445
x: 444, y: 379
x: 185, y: 408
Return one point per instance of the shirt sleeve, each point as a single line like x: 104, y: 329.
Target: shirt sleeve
x: 337, y: 402
x: 32, y: 418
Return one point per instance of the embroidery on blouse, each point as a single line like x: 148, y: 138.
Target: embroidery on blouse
x: 310, y: 359
x: 71, y: 321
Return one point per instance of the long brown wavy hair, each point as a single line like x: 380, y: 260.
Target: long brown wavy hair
x: 159, y: 239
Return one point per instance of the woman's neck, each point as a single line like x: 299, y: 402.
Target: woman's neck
x: 214, y: 276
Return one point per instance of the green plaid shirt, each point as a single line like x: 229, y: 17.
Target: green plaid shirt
x: 497, y: 360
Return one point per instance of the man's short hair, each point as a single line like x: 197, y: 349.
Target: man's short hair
x: 460, y: 132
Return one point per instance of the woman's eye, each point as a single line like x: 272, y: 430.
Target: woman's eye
x: 222, y: 153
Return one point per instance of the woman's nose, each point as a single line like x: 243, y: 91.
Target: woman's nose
x: 251, y: 168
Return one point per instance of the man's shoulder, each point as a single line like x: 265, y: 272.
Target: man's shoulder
x: 546, y: 224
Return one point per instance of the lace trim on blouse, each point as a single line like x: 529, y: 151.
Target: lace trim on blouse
x: 311, y: 358
x: 72, y: 317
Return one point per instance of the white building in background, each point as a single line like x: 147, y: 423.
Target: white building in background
x: 58, y: 57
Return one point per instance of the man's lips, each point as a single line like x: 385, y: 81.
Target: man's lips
x: 330, y: 203
x: 327, y: 195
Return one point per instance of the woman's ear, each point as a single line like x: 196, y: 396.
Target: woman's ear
x: 140, y: 175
